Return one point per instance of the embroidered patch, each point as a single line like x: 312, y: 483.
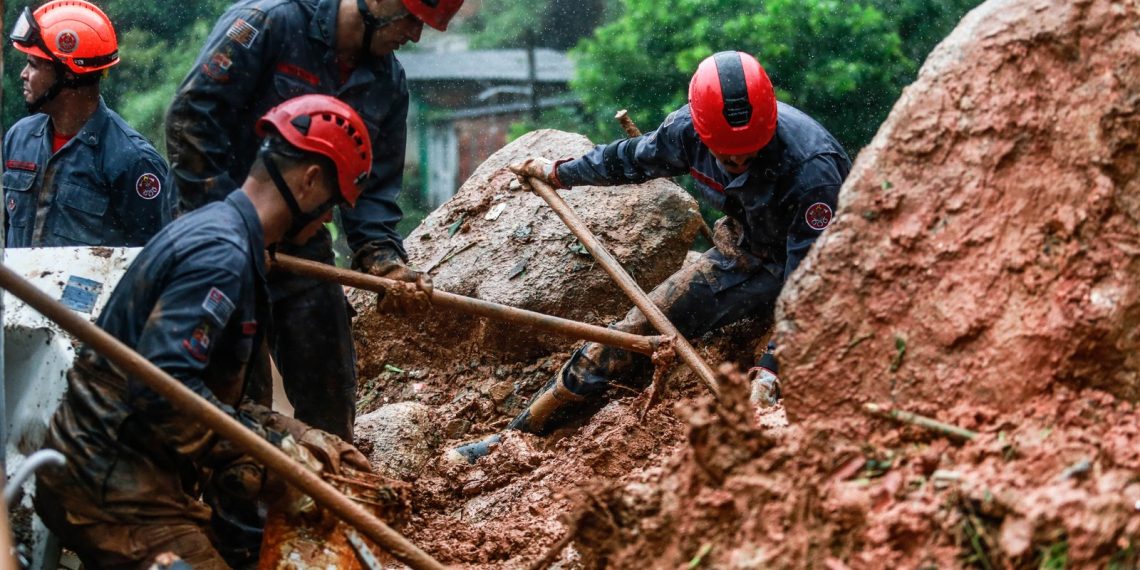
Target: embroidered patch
x: 21, y: 165
x: 242, y: 33
x: 218, y: 68
x: 198, y: 345
x: 148, y: 186
x: 818, y: 216
x: 66, y: 41
x: 249, y: 328
x: 298, y: 72
x: 218, y: 305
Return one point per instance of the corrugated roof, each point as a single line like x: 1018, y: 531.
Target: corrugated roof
x: 486, y: 65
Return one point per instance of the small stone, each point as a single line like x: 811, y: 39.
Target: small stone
x: 501, y: 391
x: 456, y: 428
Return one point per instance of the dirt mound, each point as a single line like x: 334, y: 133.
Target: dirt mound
x: 1055, y: 484
x: 982, y: 271
x: 987, y: 245
x: 507, y: 246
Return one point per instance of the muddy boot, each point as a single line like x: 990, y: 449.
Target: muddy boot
x: 534, y: 419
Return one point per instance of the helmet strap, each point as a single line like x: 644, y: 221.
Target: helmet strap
x: 301, y: 219
x: 372, y: 24
x: 62, y: 81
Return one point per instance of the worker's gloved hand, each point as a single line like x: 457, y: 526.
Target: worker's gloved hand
x: 333, y: 452
x: 540, y: 168
x: 414, y: 292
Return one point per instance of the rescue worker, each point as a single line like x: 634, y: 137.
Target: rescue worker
x: 75, y: 174
x: 770, y: 168
x: 195, y: 303
x: 260, y: 53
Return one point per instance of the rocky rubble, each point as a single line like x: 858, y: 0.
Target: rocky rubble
x: 982, y: 271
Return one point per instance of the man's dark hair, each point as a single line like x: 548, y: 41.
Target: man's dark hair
x: 288, y: 157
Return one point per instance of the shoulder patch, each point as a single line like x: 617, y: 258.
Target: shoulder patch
x: 218, y: 305
x: 148, y: 186
x: 242, y: 33
x: 818, y: 216
x: 198, y: 345
x: 218, y: 68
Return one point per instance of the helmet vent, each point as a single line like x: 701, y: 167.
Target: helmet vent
x: 733, y: 88
x: 302, y: 123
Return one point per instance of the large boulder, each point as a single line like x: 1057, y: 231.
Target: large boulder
x: 987, y: 244
x: 502, y: 245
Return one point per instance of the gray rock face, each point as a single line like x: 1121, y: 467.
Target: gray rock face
x: 404, y: 437
x: 507, y: 246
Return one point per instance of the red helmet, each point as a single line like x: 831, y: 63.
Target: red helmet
x: 435, y: 13
x: 732, y: 102
x: 74, y: 33
x: 329, y: 127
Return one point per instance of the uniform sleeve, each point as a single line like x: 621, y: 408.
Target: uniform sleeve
x: 148, y: 197
x: 371, y: 225
x: 656, y: 154
x: 202, y: 121
x: 812, y: 201
x: 180, y: 337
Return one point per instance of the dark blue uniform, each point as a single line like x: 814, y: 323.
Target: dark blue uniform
x: 773, y: 214
x: 261, y: 53
x: 106, y: 186
x: 194, y: 303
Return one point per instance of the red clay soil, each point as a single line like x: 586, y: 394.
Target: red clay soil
x: 982, y: 271
x: 986, y: 246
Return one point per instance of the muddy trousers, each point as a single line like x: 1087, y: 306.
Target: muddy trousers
x: 312, y: 346
x: 703, y: 296
x: 129, y: 546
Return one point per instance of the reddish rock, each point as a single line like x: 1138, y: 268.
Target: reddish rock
x: 987, y: 244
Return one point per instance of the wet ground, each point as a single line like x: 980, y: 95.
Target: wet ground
x: 694, y: 484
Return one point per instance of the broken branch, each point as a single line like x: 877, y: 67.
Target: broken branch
x: 920, y: 421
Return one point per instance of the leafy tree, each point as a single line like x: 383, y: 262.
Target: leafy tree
x: 158, y: 42
x: 557, y: 24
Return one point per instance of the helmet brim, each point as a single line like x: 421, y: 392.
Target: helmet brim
x: 31, y: 50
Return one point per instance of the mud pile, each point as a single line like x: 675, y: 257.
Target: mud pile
x: 982, y: 271
x: 987, y: 246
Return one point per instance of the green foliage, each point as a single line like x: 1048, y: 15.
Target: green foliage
x: 844, y: 63
x: 158, y: 42
x: 1054, y: 557
x: 557, y: 24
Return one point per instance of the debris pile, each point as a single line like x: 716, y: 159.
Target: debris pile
x: 981, y: 272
